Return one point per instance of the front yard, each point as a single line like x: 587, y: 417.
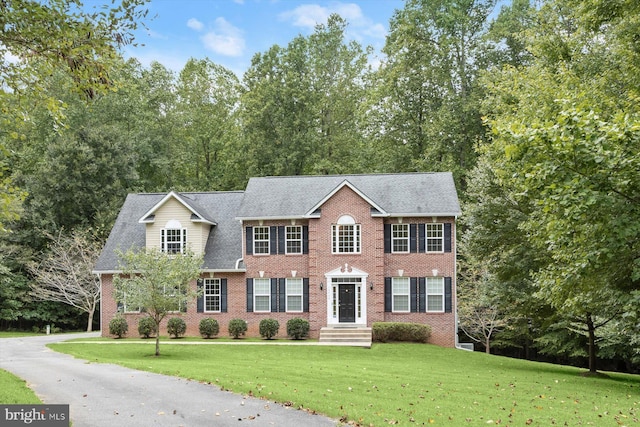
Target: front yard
x: 404, y: 384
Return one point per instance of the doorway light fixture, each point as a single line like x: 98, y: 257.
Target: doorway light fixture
x: 320, y: 285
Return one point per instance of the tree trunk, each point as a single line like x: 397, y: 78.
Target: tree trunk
x: 90, y: 322
x: 487, y: 345
x: 592, y: 344
x: 157, y: 336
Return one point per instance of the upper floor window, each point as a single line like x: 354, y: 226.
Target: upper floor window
x: 434, y: 237
x: 400, y: 238
x: 173, y: 238
x: 346, y: 236
x: 261, y: 240
x: 293, y: 238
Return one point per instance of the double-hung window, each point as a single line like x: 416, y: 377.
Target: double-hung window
x: 400, y: 238
x: 294, y: 295
x: 346, y: 236
x: 434, y: 237
x: 211, y: 295
x: 262, y: 295
x: 435, y: 294
x: 400, y: 293
x: 293, y: 239
x: 261, y: 240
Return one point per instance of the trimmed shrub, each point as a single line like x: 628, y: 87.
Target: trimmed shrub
x: 269, y: 328
x: 209, y: 327
x: 147, y: 327
x: 398, y: 331
x: 237, y: 327
x: 118, y: 326
x: 298, y: 328
x: 176, y: 327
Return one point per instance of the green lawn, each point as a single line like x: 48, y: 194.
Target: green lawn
x: 394, y: 383
x: 14, y: 390
x: 15, y: 334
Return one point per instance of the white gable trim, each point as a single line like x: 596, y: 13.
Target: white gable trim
x: 310, y: 212
x: 149, y: 216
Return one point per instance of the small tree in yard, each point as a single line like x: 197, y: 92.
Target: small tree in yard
x: 157, y: 281
x: 65, y: 273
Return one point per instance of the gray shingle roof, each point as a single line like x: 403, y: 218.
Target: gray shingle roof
x: 419, y: 194
x: 407, y: 194
x: 224, y: 245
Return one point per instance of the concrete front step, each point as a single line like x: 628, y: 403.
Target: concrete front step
x: 356, y: 337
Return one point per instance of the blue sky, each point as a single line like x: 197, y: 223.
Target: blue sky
x: 230, y: 32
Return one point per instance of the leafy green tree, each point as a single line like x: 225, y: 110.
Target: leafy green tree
x: 39, y: 38
x: 425, y: 107
x: 157, y: 281
x: 208, y: 99
x: 300, y: 109
x: 564, y: 145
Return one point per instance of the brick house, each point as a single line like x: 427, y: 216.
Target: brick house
x: 341, y: 251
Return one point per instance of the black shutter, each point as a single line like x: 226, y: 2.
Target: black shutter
x: 273, y: 240
x: 200, y: 300
x: 422, y: 238
x: 447, y: 295
x: 282, y: 295
x: 305, y: 295
x: 387, y: 238
x: 447, y: 237
x: 413, y: 294
x: 223, y: 295
x: 422, y: 295
x: 249, y: 295
x: 274, y: 295
x: 413, y: 238
x: 249, y: 239
x: 305, y: 239
x: 387, y: 294
x: 281, y: 240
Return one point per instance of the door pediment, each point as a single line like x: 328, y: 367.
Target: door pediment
x: 346, y: 271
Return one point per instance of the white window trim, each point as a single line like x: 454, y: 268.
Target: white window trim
x: 427, y: 294
x: 255, y: 295
x: 427, y: 238
x: 335, y: 239
x: 267, y: 240
x: 393, y: 294
x: 164, y: 243
x: 289, y: 293
x: 287, y: 240
x: 407, y: 239
x: 205, y: 296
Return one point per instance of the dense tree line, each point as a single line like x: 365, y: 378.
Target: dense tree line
x: 533, y: 108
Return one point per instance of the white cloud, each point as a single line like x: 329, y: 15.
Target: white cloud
x: 224, y: 39
x: 310, y: 15
x: 194, y: 24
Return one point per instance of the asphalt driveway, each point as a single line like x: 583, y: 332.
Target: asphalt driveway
x: 102, y: 395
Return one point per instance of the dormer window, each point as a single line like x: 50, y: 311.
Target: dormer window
x: 173, y: 238
x: 346, y: 236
